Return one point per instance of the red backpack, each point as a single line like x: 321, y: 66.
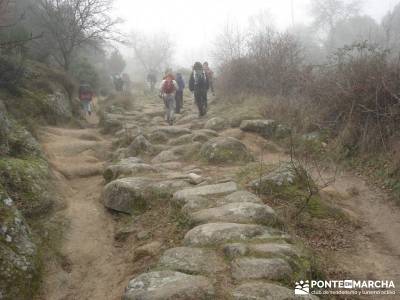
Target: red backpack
x: 168, y: 87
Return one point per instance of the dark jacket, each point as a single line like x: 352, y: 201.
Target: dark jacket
x: 180, y: 81
x: 202, y: 85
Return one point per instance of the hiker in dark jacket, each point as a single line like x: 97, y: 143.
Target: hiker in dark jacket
x: 198, y: 84
x: 179, y: 92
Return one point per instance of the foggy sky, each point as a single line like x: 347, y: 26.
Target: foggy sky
x: 193, y: 25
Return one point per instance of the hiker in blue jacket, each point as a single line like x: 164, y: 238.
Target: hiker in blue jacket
x: 179, y: 92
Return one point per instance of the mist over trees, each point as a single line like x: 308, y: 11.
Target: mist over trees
x: 152, y: 52
x: 339, y: 74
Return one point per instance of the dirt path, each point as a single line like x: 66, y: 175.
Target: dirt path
x: 375, y: 243
x: 92, y: 267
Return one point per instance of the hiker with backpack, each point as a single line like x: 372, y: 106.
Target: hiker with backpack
x: 86, y: 95
x: 179, y: 93
x: 198, y: 84
x: 167, y: 92
x: 210, y: 76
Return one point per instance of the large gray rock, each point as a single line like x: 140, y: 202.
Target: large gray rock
x: 127, y: 167
x: 192, y: 260
x: 239, y: 196
x: 140, y: 145
x: 172, y: 131
x: 132, y: 194
x: 271, y: 249
x: 247, y: 268
x: 195, y: 203
x: 274, y: 249
x: 158, y: 137
x: 216, y: 124
x: 183, y: 139
x: 206, y: 190
x: 59, y: 107
x: 19, y: 269
x: 169, y: 285
x: 245, y: 212
x: 165, y: 156
x: 265, y: 128
x: 221, y: 150
x: 284, y: 181
x: 177, y: 153
x: 260, y: 290
x: 217, y: 233
x: 127, y: 195
x: 112, y: 122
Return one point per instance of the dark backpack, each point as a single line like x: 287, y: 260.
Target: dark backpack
x: 200, y: 80
x: 168, y: 87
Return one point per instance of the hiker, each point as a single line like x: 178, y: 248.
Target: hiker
x: 152, y: 79
x: 167, y: 92
x: 118, y: 83
x: 86, y: 95
x: 126, y: 82
x: 179, y: 92
x: 210, y: 76
x: 198, y: 84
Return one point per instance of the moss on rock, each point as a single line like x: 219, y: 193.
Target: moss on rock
x: 19, y: 260
x: 26, y: 181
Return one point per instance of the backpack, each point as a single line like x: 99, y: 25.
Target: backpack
x: 85, y: 92
x: 168, y: 87
x: 199, y: 79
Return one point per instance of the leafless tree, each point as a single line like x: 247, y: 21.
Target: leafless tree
x: 152, y: 52
x: 71, y: 24
x: 230, y: 44
x: 327, y: 13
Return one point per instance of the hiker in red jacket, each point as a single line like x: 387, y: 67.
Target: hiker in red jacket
x: 167, y: 92
x: 210, y: 76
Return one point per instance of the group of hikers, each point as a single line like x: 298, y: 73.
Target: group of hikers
x: 172, y: 87
x: 171, y: 90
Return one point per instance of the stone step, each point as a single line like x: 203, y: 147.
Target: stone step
x: 192, y: 260
x: 245, y: 213
x: 206, y: 190
x: 169, y: 285
x: 247, y: 268
x: 261, y: 250
x: 131, y: 194
x: 212, y: 234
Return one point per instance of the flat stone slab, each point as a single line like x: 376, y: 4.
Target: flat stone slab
x: 265, y: 128
x: 169, y: 285
x: 131, y: 194
x: 274, y: 249
x: 259, y: 290
x: 127, y: 167
x: 239, y: 212
x: 192, y: 260
x: 218, y: 233
x: 195, y: 203
x: 247, y: 268
x: 261, y: 250
x: 173, y: 131
x: 205, y: 190
x: 239, y: 196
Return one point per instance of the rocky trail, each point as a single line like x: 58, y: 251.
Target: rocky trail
x: 159, y: 212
